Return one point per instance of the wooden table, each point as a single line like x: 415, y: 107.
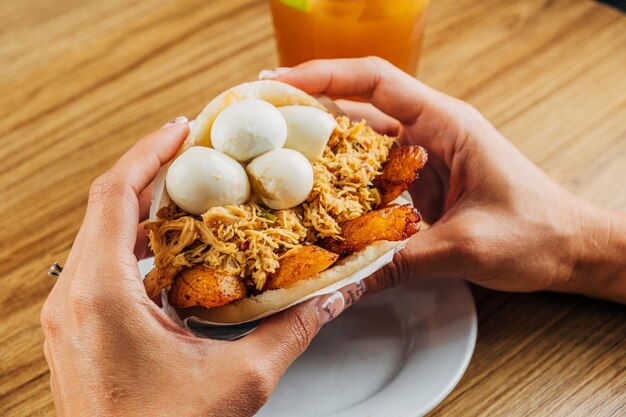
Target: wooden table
x: 80, y: 81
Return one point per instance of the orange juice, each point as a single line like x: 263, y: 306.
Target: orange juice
x: 309, y: 29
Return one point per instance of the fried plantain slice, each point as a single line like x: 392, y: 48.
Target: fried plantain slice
x: 300, y: 264
x: 204, y: 286
x: 399, y: 172
x: 393, y: 223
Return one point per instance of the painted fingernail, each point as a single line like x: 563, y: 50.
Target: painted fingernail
x: 333, y: 304
x: 330, y: 306
x: 177, y: 121
x: 273, y: 73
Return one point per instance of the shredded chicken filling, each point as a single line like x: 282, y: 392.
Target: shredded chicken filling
x: 248, y: 240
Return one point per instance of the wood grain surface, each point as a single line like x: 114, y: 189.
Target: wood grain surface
x: 82, y: 80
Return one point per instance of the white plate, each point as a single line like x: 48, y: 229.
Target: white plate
x: 397, y: 354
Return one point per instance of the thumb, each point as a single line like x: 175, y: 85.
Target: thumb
x: 280, y: 339
x: 428, y: 254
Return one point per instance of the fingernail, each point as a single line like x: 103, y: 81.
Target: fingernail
x: 177, y: 121
x: 273, y: 73
x: 332, y: 305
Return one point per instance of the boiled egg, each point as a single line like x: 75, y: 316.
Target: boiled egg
x: 309, y: 129
x: 247, y: 129
x: 282, y: 178
x: 201, y: 178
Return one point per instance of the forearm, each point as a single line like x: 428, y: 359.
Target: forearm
x: 599, y: 268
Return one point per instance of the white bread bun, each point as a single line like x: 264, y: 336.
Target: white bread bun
x: 274, y: 92
x: 276, y: 300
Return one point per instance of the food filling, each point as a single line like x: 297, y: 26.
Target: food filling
x: 249, y: 240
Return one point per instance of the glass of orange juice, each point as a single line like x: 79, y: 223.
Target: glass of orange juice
x: 309, y: 29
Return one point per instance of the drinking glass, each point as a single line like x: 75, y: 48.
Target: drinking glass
x: 309, y: 29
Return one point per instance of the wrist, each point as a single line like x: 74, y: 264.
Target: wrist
x: 599, y: 259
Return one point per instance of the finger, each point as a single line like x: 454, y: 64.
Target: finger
x: 141, y: 163
x: 113, y: 207
x: 375, y: 118
x: 142, y: 248
x: 433, y: 119
x: 428, y: 254
x: 385, y: 86
x: 289, y: 332
x: 352, y: 293
x: 54, y: 386
x: 46, y: 354
x: 145, y: 200
x: 279, y: 340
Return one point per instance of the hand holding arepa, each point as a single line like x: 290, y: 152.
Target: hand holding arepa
x: 496, y: 219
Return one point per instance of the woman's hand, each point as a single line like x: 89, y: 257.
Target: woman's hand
x: 497, y: 219
x: 111, y: 351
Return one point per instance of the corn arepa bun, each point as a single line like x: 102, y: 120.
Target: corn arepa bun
x: 278, y: 94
